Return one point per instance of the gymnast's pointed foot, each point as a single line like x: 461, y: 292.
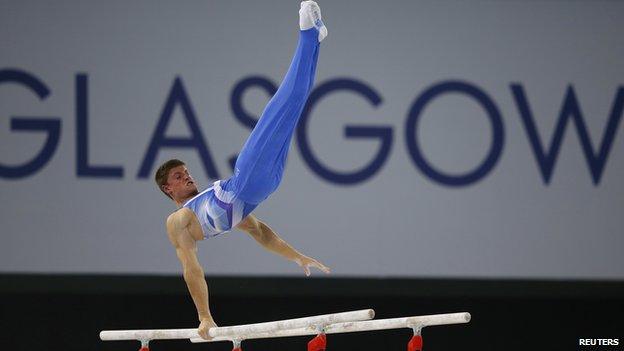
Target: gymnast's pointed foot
x: 310, y: 16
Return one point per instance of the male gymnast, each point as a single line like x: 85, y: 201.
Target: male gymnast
x: 228, y: 203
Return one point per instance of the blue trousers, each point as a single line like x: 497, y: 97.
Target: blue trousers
x: 260, y: 165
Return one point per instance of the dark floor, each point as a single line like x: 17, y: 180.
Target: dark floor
x: 67, y: 313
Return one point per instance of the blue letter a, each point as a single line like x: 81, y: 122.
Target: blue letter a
x: 159, y: 140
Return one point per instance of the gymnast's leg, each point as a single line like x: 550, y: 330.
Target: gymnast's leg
x: 260, y: 165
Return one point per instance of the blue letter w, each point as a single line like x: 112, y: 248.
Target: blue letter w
x: 569, y: 110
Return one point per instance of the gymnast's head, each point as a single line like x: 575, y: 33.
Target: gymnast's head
x: 175, y: 181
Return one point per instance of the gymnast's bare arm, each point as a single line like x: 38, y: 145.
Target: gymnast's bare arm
x: 267, y: 238
x: 184, y: 231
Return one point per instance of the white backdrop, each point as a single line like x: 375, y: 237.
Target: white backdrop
x: 399, y: 221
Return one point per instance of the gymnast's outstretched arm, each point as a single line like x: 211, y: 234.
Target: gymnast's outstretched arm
x: 267, y: 238
x: 185, y: 244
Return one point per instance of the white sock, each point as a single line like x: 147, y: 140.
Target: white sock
x: 310, y: 16
x: 305, y: 22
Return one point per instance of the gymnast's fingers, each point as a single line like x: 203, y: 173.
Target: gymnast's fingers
x: 321, y: 266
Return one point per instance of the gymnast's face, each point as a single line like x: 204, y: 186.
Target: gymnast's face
x: 180, y: 183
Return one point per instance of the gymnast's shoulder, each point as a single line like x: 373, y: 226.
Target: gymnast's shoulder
x: 179, y: 219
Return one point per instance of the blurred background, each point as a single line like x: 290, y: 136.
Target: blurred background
x: 453, y: 156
